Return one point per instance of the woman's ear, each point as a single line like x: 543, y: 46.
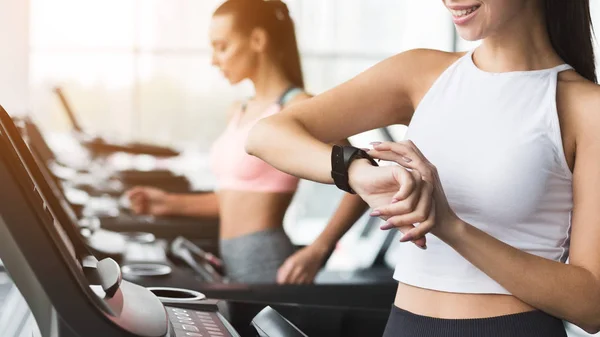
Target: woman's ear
x: 259, y: 40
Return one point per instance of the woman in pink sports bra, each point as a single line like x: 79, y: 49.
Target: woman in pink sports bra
x: 254, y: 39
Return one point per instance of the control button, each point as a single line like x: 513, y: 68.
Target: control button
x: 187, y: 322
x: 180, y: 310
x: 189, y: 328
x: 212, y: 329
x: 193, y: 334
x: 211, y: 325
x: 184, y: 318
x: 215, y: 333
x: 179, y: 314
x: 200, y: 313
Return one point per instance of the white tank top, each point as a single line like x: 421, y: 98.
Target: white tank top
x: 495, y: 140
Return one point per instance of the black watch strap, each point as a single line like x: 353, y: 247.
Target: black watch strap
x: 341, y: 158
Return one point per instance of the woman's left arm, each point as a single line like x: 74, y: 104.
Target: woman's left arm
x: 568, y: 291
x: 571, y: 291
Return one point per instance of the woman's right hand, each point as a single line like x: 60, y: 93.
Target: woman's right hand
x: 149, y: 200
x: 395, y: 189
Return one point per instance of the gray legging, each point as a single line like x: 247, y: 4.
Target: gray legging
x: 256, y: 257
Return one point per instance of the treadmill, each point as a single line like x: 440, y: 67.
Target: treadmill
x: 73, y: 294
x: 321, y: 310
x: 203, y: 231
x: 99, y: 146
x: 164, y: 179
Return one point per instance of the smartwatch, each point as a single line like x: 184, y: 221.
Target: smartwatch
x: 341, y: 158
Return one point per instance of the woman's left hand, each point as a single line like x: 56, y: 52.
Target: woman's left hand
x: 442, y: 220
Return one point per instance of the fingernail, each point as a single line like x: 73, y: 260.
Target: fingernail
x: 375, y: 213
x: 424, y: 247
x: 386, y: 226
x: 406, y: 159
x: 375, y: 143
x: 365, y: 149
x: 395, y: 200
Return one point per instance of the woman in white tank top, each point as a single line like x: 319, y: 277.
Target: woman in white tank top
x: 497, y: 182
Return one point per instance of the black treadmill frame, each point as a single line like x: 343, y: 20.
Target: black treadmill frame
x: 46, y: 272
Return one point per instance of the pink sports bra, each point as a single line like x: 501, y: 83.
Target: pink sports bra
x: 237, y: 170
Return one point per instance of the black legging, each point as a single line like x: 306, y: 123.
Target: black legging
x: 402, y: 323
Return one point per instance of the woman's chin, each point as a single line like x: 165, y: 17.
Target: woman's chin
x: 233, y: 81
x: 470, y: 34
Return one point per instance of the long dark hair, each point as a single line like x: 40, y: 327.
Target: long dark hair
x: 569, y: 24
x: 274, y: 17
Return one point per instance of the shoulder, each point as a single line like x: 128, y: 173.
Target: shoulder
x: 424, y: 61
x: 415, y: 71
x: 428, y: 57
x: 578, y: 102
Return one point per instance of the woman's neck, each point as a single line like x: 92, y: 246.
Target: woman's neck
x: 523, y: 44
x: 269, y: 81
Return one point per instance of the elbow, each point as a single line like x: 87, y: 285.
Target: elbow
x: 592, y: 329
x: 591, y: 322
x: 592, y: 326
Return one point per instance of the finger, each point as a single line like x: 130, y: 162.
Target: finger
x: 403, y: 149
x: 138, y: 205
x: 139, y: 208
x: 284, y: 272
x: 311, y: 279
x: 295, y: 275
x: 407, y: 183
x: 421, y: 242
x: 412, y: 182
x: 304, y: 279
x: 389, y: 155
x: 402, y: 160
x: 420, y: 213
x: 397, y: 208
x: 406, y: 154
x: 136, y: 192
x: 415, y: 148
x: 402, y: 203
x: 423, y: 228
x: 417, y: 178
x: 137, y: 197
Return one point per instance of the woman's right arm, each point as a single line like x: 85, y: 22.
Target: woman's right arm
x: 297, y: 141
x: 201, y: 205
x: 153, y: 201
